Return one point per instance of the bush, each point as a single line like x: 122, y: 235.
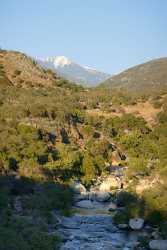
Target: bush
x: 52, y: 197
x: 29, y: 238
x: 4, y: 199
x: 17, y: 72
x: 155, y: 218
x: 43, y: 241
x: 162, y: 117
x: 89, y: 170
x: 121, y: 218
x: 144, y: 241
x: 10, y: 239
x: 125, y: 198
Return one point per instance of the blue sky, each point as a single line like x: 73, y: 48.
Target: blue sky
x: 110, y: 35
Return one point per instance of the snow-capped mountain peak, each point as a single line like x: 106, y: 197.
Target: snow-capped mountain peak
x: 58, y: 61
x: 73, y: 71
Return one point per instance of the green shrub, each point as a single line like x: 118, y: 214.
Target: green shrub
x: 17, y: 72
x: 155, y: 218
x: 121, y: 218
x: 89, y: 169
x: 162, y: 117
x: 52, y: 197
x: 4, y: 199
x: 10, y: 239
x: 29, y: 238
x: 144, y: 241
x: 125, y: 198
x: 163, y: 229
x: 43, y: 241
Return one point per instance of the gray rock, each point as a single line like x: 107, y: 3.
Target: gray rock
x: 136, y: 223
x: 133, y: 244
x: 84, y: 204
x: 158, y: 244
x: 155, y: 235
x: 102, y: 196
x: 78, y: 188
x: 123, y: 226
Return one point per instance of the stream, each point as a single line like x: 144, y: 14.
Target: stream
x: 93, y: 229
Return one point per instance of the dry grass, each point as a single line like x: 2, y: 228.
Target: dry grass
x: 21, y: 70
x: 145, y: 110
x: 98, y: 112
x: 141, y: 109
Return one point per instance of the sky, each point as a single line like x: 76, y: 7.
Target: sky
x: 108, y: 35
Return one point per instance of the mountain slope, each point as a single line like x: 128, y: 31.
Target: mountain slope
x: 149, y: 75
x: 73, y: 71
x: 20, y: 70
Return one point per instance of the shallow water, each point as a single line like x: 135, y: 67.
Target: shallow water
x: 92, y: 229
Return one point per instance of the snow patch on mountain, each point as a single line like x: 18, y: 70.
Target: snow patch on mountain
x: 72, y: 71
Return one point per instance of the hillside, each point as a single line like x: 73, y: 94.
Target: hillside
x: 55, y: 135
x: 148, y: 76
x: 20, y: 70
x: 74, y: 72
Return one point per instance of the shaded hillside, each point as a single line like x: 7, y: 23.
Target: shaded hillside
x: 151, y: 75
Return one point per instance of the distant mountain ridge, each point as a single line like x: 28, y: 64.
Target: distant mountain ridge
x: 73, y: 71
x: 149, y: 75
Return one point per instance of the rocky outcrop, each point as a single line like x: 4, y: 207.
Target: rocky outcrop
x: 158, y: 244
x: 136, y: 223
x: 111, y: 182
x: 78, y: 188
x: 147, y: 183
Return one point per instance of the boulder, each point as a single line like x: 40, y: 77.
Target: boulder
x: 109, y: 183
x: 84, y: 204
x: 123, y: 226
x: 134, y: 245
x: 78, y: 188
x: 102, y: 196
x: 158, y: 244
x: 155, y: 235
x: 136, y: 223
